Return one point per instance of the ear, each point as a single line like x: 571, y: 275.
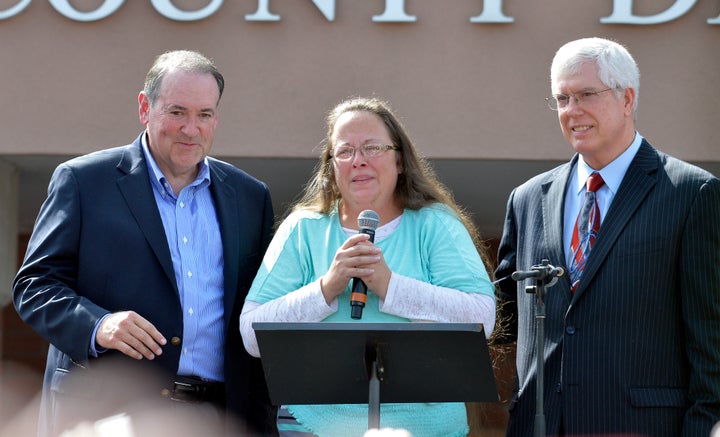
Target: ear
x: 629, y: 101
x: 143, y: 108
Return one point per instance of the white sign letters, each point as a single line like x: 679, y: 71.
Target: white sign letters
x: 394, y: 11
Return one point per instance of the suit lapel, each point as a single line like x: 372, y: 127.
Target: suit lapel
x: 553, y: 200
x: 137, y: 192
x: 639, y: 180
x: 228, y: 214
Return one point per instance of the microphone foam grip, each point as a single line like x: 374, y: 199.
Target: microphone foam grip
x: 368, y: 219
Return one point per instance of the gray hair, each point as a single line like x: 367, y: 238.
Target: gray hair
x: 616, y: 67
x: 183, y: 60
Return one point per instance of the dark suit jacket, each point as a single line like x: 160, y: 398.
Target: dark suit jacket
x: 636, y: 350
x: 99, y: 246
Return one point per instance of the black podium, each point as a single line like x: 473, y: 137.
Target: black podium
x: 358, y: 363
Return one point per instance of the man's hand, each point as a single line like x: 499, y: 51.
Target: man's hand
x: 131, y: 334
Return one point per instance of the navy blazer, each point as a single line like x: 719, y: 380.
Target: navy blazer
x: 99, y: 246
x: 636, y: 350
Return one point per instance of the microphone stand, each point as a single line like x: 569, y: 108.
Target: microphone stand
x: 545, y: 276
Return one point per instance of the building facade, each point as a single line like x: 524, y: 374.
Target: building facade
x: 467, y: 77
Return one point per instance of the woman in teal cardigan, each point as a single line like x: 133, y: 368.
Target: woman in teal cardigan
x: 425, y: 264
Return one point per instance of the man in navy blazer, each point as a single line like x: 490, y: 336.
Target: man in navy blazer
x: 634, y: 350
x: 138, y: 267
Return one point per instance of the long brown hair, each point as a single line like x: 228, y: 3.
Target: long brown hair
x: 417, y: 185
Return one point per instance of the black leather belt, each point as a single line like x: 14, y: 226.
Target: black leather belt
x: 192, y: 389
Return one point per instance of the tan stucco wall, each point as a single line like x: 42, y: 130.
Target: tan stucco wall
x: 465, y: 90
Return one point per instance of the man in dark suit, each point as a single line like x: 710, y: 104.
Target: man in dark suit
x: 138, y: 266
x: 632, y: 330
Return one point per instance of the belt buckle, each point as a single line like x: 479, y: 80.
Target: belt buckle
x: 185, y: 392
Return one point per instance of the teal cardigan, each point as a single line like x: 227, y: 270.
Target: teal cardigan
x: 430, y: 245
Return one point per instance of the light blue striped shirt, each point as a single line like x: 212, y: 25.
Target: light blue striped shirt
x: 193, y: 234
x: 612, y: 174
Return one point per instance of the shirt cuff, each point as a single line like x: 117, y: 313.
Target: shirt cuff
x: 94, y: 350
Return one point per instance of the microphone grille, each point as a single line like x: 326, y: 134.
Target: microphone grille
x: 368, y: 219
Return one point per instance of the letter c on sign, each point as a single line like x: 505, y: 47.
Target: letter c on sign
x: 169, y: 10
x: 12, y: 11
x: 108, y: 8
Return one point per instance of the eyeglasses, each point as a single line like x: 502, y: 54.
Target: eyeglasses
x: 346, y: 153
x: 582, y: 98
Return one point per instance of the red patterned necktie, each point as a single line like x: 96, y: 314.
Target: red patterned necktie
x: 586, y: 229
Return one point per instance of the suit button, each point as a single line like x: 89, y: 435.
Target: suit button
x: 570, y: 330
x: 558, y: 387
x: 175, y: 341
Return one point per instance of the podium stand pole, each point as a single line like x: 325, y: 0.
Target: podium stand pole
x: 374, y: 397
x: 376, y: 374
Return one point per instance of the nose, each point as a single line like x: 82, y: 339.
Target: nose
x: 190, y: 127
x: 358, y: 158
x: 573, y: 104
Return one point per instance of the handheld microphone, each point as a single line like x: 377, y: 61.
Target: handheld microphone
x: 368, y: 221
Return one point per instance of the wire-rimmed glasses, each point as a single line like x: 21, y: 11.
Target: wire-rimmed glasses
x: 585, y: 98
x: 347, y: 153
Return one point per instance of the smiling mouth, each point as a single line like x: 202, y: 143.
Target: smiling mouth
x: 187, y: 144
x: 580, y: 128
